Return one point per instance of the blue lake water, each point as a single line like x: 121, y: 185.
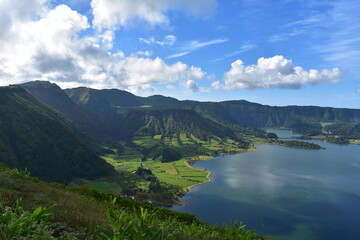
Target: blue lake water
x: 283, y: 192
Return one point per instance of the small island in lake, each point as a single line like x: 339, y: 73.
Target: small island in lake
x: 298, y: 144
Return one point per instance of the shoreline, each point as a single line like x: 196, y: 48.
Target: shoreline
x: 178, y: 202
x: 188, y: 164
x: 203, y: 158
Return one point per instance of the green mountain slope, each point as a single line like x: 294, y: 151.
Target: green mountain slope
x: 106, y: 116
x: 79, y: 213
x: 103, y: 100
x: 34, y: 136
x: 257, y: 115
x: 239, y: 112
x: 171, y: 122
x: 55, y: 97
x: 93, y: 129
x: 113, y: 99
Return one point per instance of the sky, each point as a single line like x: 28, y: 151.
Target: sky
x: 285, y: 52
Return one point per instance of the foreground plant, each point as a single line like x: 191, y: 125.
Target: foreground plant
x: 142, y: 224
x: 15, y: 223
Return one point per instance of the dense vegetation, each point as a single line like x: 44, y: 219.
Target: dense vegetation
x: 35, y: 137
x: 298, y: 144
x: 158, y: 133
x: 240, y: 112
x: 344, y: 131
x: 54, y: 211
x: 59, y: 134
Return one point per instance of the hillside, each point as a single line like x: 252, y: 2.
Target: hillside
x: 252, y: 114
x: 238, y: 112
x: 54, y: 211
x: 103, y: 100
x: 35, y: 137
x: 171, y: 122
x: 121, y: 115
x: 114, y: 99
x: 91, y: 128
x: 52, y: 138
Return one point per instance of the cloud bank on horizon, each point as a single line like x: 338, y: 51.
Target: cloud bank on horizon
x: 136, y: 45
x: 274, y: 72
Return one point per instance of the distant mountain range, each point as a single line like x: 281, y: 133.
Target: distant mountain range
x: 57, y: 133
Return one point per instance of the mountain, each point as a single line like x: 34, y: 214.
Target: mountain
x: 52, y: 95
x: 171, y: 122
x: 103, y: 100
x: 92, y: 128
x: 110, y: 113
x: 256, y: 115
x: 110, y: 100
x: 131, y: 115
x: 34, y: 136
x: 238, y: 112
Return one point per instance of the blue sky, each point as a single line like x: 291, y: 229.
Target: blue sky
x: 285, y: 52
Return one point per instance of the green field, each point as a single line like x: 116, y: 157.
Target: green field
x: 176, y: 173
x: 179, y: 172
x: 106, y: 187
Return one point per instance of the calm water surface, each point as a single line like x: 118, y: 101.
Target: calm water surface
x: 283, y: 192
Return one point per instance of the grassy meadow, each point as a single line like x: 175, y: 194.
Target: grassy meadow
x: 180, y: 172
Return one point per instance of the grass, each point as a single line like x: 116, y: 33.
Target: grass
x: 157, y: 137
x: 82, y: 213
x: 179, y: 172
x: 106, y: 187
x: 324, y: 124
x: 147, y: 141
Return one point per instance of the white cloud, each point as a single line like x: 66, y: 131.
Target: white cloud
x: 305, y: 22
x: 170, y: 86
x: 143, y: 53
x: 112, y: 13
x: 20, y: 10
x: 107, y: 39
x: 168, y: 40
x: 285, y: 36
x: 343, y: 40
x: 139, y: 71
x: 274, y: 72
x: 358, y: 90
x: 176, y: 55
x: 47, y: 46
x: 192, y: 86
x: 244, y: 48
x: 194, y: 45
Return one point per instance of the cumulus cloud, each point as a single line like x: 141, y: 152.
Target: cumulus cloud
x: 51, y: 45
x: 274, y: 72
x: 110, y: 13
x: 140, y: 71
x: 168, y: 40
x: 191, y: 85
x: 20, y: 10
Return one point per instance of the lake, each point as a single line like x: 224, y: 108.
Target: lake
x: 283, y: 192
